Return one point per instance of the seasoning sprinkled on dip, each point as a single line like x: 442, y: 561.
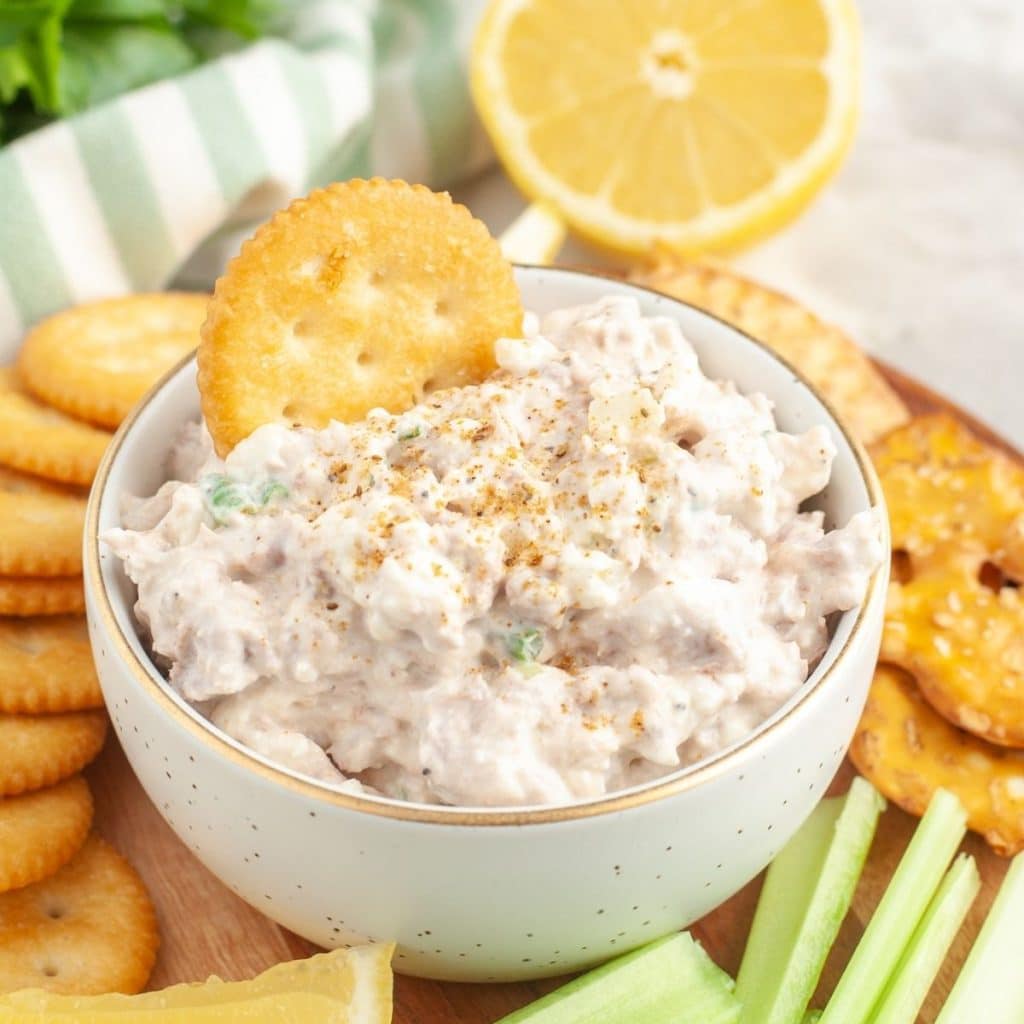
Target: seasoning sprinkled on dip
x: 579, y: 575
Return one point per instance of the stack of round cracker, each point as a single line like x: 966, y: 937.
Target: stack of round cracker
x: 946, y: 707
x: 78, y: 374
x: 74, y: 916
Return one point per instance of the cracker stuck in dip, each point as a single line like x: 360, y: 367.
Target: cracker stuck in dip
x: 581, y: 574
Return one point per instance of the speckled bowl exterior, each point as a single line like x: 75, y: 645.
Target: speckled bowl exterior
x: 480, y: 895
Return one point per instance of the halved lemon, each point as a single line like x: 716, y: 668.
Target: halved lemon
x: 690, y: 124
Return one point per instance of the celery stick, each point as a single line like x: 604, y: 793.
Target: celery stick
x: 922, y: 959
x: 812, y: 1017
x: 806, y: 894
x: 897, y: 915
x: 671, y: 981
x: 990, y: 989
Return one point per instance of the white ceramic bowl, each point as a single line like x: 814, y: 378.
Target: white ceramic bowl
x: 485, y: 894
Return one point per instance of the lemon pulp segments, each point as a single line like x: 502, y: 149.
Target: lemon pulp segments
x: 697, y: 124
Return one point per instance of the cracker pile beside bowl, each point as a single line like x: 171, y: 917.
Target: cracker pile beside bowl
x: 487, y: 894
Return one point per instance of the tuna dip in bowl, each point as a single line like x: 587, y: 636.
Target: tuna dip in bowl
x: 543, y: 665
x: 588, y: 571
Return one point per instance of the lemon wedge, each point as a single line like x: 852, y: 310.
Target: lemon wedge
x: 286, y: 1008
x: 350, y: 986
x: 688, y: 124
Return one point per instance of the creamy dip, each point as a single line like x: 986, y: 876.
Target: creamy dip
x: 579, y: 575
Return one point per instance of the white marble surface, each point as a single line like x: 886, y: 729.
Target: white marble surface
x: 917, y: 247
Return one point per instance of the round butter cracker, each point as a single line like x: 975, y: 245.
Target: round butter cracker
x: 40, y: 832
x: 40, y: 750
x: 35, y: 438
x: 41, y: 595
x: 46, y: 665
x: 364, y: 294
x: 42, y: 526
x: 88, y: 929
x: 95, y: 361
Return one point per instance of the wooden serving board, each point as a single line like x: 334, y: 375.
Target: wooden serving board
x: 206, y: 929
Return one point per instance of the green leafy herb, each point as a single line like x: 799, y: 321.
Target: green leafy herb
x: 15, y: 74
x: 225, y: 496
x: 408, y: 435
x: 246, y: 18
x: 102, y: 61
x: 223, y: 491
x: 272, y: 489
x: 30, y: 33
x: 59, y: 57
x: 524, y: 644
x: 119, y: 10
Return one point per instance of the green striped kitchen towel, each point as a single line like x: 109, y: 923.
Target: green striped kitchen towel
x: 161, y: 184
